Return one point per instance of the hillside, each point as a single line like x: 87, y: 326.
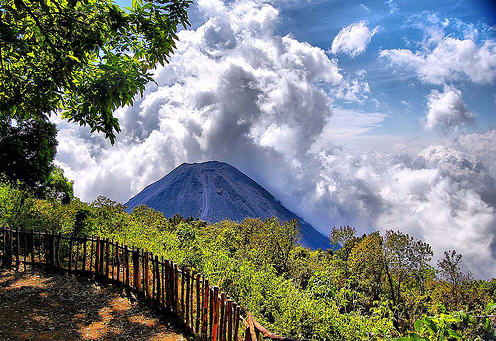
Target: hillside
x: 215, y: 191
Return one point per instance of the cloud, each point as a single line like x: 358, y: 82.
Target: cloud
x: 233, y: 91
x: 237, y: 92
x: 443, y: 194
x: 446, y: 110
x: 451, y: 59
x: 393, y: 7
x: 353, y: 39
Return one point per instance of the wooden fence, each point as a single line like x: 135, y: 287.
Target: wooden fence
x: 204, y: 311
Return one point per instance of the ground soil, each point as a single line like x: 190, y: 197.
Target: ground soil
x: 37, y: 305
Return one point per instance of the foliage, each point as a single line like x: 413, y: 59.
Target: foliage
x: 27, y: 149
x: 82, y: 58
x: 290, y: 290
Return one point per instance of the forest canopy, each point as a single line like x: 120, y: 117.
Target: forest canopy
x: 83, y: 59
x: 375, y: 287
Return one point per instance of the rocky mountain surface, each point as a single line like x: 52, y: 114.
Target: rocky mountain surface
x: 214, y: 191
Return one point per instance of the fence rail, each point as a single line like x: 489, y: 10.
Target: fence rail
x: 203, y: 310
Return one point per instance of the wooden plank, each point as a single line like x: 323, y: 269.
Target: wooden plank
x: 163, y: 281
x: 25, y: 239
x: 158, y: 289
x: 85, y: 242
x: 57, y: 251
x: 266, y: 334
x: 8, y: 249
x: 118, y: 261
x: 91, y: 253
x: 215, y: 327
x: 182, y: 296
x: 52, y: 248
x: 101, y: 266
x: 17, y: 247
x: 222, y: 324
x: 146, y: 274
x: 191, y: 298
x: 136, y: 271
x: 229, y: 318
x: 251, y: 325
x: 97, y: 256
x: 205, y: 301
x: 71, y: 244
x: 77, y: 254
x: 237, y: 311
x: 198, y: 304
x: 107, y: 258
x: 176, y: 287
x: 39, y: 253
x: 32, y: 247
x: 211, y: 312
x: 126, y: 264
x: 187, y: 280
x: 112, y: 256
x: 166, y: 283
x: 153, y: 276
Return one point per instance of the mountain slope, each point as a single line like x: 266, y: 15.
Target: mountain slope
x: 214, y: 191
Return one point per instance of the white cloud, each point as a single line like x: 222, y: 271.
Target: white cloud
x: 442, y: 195
x: 446, y: 110
x: 235, y: 91
x: 451, y: 59
x: 353, y: 39
x: 393, y: 7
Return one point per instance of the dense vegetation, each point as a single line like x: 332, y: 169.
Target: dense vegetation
x: 83, y: 59
x: 375, y: 287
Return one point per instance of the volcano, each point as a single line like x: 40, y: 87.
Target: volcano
x: 214, y: 191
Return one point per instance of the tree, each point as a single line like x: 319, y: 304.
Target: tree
x: 58, y: 187
x: 366, y: 262
x: 27, y: 149
x: 82, y: 58
x: 450, y: 270
x: 406, y: 261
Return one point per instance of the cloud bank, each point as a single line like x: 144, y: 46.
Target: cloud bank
x: 446, y: 110
x: 353, y: 39
x: 451, y: 59
x: 235, y: 91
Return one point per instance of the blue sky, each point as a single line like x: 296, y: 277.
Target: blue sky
x: 401, y: 95
x: 378, y: 115
x: 395, y: 92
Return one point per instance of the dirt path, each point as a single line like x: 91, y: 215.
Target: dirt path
x: 46, y: 306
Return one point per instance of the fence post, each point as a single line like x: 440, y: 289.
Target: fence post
x: 102, y: 257
x: 198, y: 304
x: 186, y: 278
x: 118, y: 262
x: 229, y: 318
x: 18, y: 262
x: 31, y: 246
x: 85, y: 241
x: 215, y: 329
x: 175, y: 283
x: 136, y: 270
x: 57, y: 251
x: 97, y: 256
x: 146, y: 274
x: 222, y: 325
x: 157, y: 281
x: 126, y: 262
x: 206, y: 290
x: 107, y: 258
x: 7, y: 257
x: 237, y: 311
x: 51, y: 249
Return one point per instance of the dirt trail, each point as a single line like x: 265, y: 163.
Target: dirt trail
x: 47, y: 306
